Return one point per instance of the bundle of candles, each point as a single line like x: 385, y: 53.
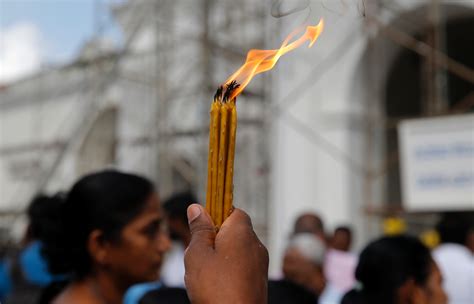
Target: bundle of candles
x: 220, y: 164
x: 223, y: 123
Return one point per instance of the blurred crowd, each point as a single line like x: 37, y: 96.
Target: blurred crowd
x: 109, y: 239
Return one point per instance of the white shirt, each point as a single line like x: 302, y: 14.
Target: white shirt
x: 330, y: 295
x: 172, y: 271
x: 457, y: 267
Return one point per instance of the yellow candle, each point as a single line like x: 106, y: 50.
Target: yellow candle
x: 223, y: 146
x: 215, y: 148
x: 213, y: 133
x: 229, y: 179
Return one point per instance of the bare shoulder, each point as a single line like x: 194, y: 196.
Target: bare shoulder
x: 76, y: 294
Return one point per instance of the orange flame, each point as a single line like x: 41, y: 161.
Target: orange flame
x: 259, y: 61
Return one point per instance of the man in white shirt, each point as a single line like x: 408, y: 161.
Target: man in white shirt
x: 454, y: 259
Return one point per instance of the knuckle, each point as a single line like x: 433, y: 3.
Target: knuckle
x: 243, y: 217
x: 202, y: 228
x: 246, y: 218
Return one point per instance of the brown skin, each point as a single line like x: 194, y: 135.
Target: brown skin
x: 304, y: 272
x: 341, y: 240
x: 228, y: 267
x: 433, y: 290
x: 470, y: 240
x: 431, y: 293
x: 135, y: 258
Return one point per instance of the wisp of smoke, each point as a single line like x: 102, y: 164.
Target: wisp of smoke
x: 281, y: 8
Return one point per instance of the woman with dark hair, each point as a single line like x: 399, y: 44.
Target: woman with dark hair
x: 397, y: 270
x: 109, y: 237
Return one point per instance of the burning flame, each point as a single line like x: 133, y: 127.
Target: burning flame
x: 259, y: 61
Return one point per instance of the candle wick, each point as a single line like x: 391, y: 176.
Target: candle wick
x: 229, y: 89
x: 218, y: 95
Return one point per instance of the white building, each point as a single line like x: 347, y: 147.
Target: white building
x: 335, y: 144
x: 141, y: 108
x: 315, y: 134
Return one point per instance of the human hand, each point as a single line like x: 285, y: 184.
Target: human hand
x: 228, y: 267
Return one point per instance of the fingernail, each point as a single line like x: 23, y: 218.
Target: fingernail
x: 193, y: 212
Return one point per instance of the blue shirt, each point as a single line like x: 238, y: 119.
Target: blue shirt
x: 5, y: 281
x: 34, y: 266
x: 136, y: 292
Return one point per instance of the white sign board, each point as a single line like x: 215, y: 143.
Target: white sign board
x: 437, y: 163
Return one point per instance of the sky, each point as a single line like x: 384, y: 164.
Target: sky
x: 38, y: 33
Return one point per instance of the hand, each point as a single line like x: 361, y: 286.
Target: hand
x: 228, y: 267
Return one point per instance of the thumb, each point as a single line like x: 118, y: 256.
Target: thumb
x: 201, y: 227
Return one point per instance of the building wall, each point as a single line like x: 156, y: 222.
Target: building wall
x: 160, y: 90
x: 332, y: 133
x: 310, y: 171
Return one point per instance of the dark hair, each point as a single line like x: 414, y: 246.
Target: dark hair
x: 345, y: 229
x: 453, y: 228
x: 176, y: 206
x: 308, y: 222
x: 105, y: 200
x: 385, y: 265
x: 43, y: 214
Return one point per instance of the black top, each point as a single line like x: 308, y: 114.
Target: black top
x: 165, y: 295
x: 287, y: 292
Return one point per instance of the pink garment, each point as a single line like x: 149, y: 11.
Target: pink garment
x: 339, y: 269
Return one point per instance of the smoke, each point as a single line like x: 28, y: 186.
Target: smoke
x: 283, y: 8
x: 344, y: 7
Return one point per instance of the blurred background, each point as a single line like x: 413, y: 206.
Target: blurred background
x: 373, y: 127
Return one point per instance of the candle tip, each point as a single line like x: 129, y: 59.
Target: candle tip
x: 218, y: 94
x: 229, y: 89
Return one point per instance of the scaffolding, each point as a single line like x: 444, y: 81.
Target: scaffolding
x: 194, y: 46
x: 179, y: 65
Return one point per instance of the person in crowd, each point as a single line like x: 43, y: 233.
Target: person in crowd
x: 303, y: 280
x: 470, y: 239
x: 340, y: 263
x: 27, y: 270
x: 5, y: 281
x: 109, y: 237
x: 341, y: 239
x: 42, y: 215
x: 310, y: 223
x: 172, y: 272
x: 397, y: 269
x: 303, y: 264
x: 454, y: 258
